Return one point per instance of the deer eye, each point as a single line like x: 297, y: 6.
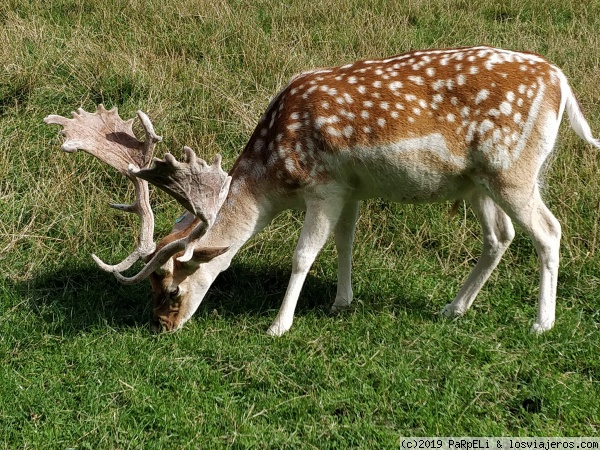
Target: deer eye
x: 174, y: 293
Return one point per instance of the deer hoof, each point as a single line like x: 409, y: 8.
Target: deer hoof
x: 338, y: 309
x: 539, y: 328
x: 277, y: 329
x: 451, y: 312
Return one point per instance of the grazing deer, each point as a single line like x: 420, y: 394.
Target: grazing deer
x: 426, y: 126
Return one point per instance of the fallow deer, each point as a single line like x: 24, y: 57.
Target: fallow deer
x: 472, y: 123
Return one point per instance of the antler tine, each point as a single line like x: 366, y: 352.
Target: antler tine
x: 106, y: 136
x: 141, y: 207
x: 151, y: 137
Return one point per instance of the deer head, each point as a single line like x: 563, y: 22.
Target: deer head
x: 199, y: 187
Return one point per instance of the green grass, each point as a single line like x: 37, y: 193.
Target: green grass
x: 78, y: 366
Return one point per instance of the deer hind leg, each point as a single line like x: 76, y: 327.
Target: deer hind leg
x: 344, y: 238
x: 498, y: 232
x: 321, y: 217
x: 545, y: 231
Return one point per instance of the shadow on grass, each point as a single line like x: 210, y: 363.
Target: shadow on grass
x: 71, y: 300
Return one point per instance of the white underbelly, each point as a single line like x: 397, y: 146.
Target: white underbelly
x: 410, y: 170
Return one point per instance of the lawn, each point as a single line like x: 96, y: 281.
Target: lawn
x: 79, y: 367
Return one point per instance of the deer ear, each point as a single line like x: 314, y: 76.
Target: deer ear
x: 205, y: 254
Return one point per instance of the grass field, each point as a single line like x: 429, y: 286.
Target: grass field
x: 78, y: 366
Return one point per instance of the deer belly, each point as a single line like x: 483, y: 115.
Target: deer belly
x: 409, y: 170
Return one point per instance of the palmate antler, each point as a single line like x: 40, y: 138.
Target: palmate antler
x: 200, y: 188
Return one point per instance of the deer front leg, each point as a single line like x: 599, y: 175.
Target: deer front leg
x: 321, y: 217
x: 498, y: 232
x: 344, y: 238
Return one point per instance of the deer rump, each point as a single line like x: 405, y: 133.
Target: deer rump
x: 471, y: 123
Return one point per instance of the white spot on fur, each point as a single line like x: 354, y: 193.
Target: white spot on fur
x: 349, y: 114
x: 492, y: 60
x: 333, y: 131
x: 259, y: 145
x: 496, y: 136
x: 485, y: 126
x: 481, y: 96
x: 430, y: 71
x: 290, y: 165
x: 381, y: 122
x: 505, y: 108
x: 438, y: 84
x: 470, y: 132
x: 416, y: 79
x: 321, y: 120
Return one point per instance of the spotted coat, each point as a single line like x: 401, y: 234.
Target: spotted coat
x: 477, y: 106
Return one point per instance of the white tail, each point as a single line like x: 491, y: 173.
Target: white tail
x: 576, y: 118
x: 426, y: 126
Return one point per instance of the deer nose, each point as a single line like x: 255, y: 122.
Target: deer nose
x: 156, y: 326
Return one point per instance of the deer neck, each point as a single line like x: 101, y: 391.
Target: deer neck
x: 241, y: 217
